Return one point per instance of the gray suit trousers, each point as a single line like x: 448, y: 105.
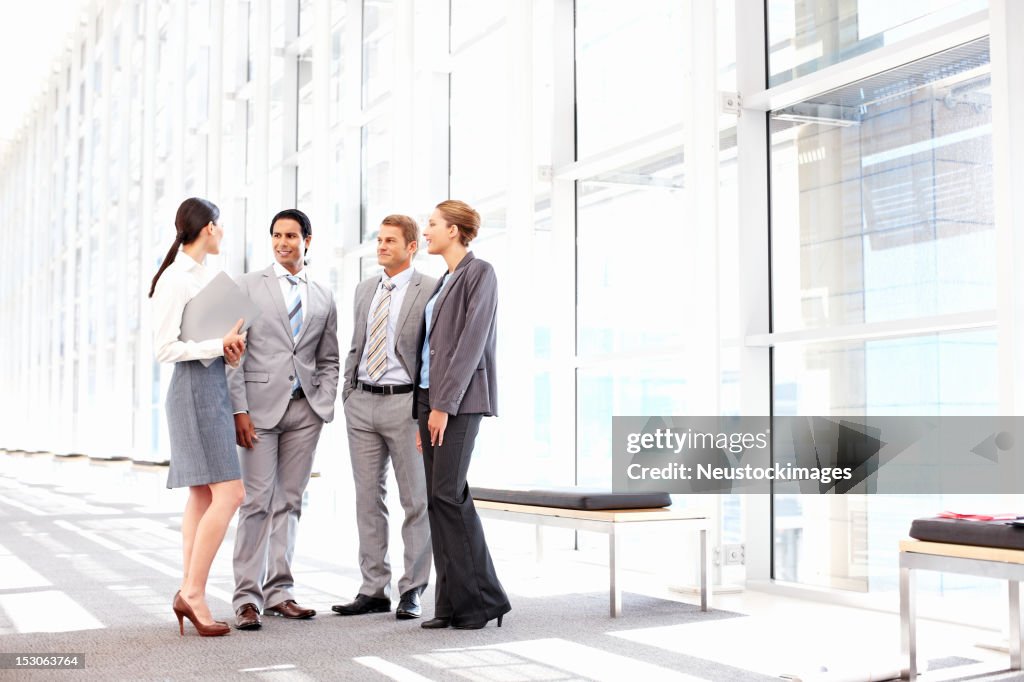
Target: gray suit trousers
x: 380, y: 428
x: 275, y: 473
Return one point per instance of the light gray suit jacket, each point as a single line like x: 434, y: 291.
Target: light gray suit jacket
x: 407, y: 329
x: 463, y: 341
x: 261, y: 385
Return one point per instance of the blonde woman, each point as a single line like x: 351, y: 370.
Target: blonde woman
x: 455, y: 388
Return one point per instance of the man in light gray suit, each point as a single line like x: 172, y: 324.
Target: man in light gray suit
x: 377, y: 396
x: 283, y: 392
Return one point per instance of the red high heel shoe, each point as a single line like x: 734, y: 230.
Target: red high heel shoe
x: 182, y: 610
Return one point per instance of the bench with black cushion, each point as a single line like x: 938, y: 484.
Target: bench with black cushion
x: 574, y: 498
x: 990, y: 549
x: 965, y: 532
x: 599, y: 511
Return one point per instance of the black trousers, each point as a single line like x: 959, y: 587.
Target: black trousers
x: 467, y: 589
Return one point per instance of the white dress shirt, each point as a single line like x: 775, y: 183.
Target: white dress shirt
x: 395, y: 374
x: 179, y: 283
x: 286, y: 287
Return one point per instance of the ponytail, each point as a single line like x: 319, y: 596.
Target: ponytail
x: 193, y: 215
x: 168, y: 259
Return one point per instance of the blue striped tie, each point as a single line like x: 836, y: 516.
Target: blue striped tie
x: 294, y: 315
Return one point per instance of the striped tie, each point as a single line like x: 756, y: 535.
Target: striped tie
x: 294, y: 315
x: 377, y: 359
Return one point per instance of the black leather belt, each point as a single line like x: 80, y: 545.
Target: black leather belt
x: 386, y: 390
x: 298, y: 393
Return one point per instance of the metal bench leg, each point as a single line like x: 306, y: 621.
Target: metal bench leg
x: 615, y: 595
x: 1014, y: 645
x: 908, y: 625
x: 540, y: 542
x: 705, y: 571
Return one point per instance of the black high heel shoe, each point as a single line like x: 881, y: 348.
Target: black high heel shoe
x: 436, y: 623
x: 475, y: 626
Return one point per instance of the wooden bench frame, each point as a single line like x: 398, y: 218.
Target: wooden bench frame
x: 984, y: 562
x: 611, y: 522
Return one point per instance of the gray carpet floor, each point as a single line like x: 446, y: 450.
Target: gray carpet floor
x: 112, y: 557
x: 70, y: 547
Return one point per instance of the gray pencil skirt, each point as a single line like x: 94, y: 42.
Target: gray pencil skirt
x: 200, y: 425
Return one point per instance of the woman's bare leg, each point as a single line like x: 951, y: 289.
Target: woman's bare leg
x: 227, y: 496
x: 199, y: 498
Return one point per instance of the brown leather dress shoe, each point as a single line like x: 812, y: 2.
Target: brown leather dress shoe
x: 248, y: 617
x: 289, y: 609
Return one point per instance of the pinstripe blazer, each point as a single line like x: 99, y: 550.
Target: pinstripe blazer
x: 463, y: 338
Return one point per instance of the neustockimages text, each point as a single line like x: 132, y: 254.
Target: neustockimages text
x: 777, y: 472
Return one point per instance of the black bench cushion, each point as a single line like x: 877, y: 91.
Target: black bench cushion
x: 964, y: 532
x: 590, y: 499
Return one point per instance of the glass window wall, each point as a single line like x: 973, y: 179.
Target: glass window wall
x: 805, y: 36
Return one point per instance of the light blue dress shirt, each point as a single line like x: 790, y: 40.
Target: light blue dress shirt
x: 428, y: 317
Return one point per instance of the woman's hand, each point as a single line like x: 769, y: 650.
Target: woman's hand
x: 419, y: 441
x: 234, y: 345
x: 437, y: 422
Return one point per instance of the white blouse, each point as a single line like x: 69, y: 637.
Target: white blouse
x: 179, y: 283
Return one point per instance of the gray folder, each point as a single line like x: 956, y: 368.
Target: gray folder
x: 214, y: 311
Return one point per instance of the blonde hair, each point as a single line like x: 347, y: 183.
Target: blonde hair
x: 463, y: 216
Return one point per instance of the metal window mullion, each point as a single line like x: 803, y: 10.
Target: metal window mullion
x: 754, y: 266
x: 628, y: 153
x: 517, y: 301
x: 700, y: 235
x: 1007, y: 59
x: 284, y: 151
x: 347, y: 244
x: 432, y: 105
x: 322, y: 150
x: 123, y: 388
x: 762, y: 98
x: 102, y: 421
x: 564, y: 407
x: 258, y: 209
x: 214, y: 132
x: 150, y: 251
x: 402, y: 112
x: 177, y: 104
x: 900, y: 328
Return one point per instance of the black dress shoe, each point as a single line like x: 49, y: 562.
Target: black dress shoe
x: 363, y: 604
x: 248, y: 617
x: 436, y: 623
x: 409, y: 605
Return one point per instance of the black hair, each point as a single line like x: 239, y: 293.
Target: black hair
x: 193, y: 215
x: 298, y: 216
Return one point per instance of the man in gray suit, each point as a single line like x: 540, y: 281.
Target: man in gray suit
x: 283, y: 392
x: 377, y: 396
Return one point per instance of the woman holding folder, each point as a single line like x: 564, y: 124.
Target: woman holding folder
x: 199, y: 420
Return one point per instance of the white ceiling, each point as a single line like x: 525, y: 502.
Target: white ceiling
x: 33, y: 34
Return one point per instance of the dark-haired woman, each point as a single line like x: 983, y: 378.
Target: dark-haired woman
x: 199, y: 421
x: 456, y: 388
